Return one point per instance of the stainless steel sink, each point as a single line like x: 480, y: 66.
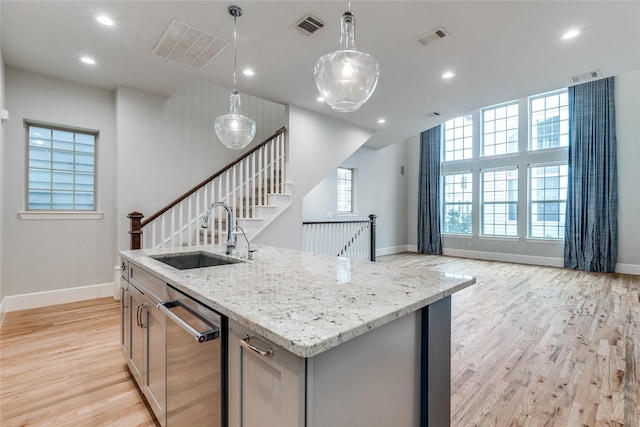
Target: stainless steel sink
x: 186, y: 261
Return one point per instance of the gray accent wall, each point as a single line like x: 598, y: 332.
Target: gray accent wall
x: 167, y: 145
x: 45, y: 255
x: 381, y: 187
x: 318, y: 144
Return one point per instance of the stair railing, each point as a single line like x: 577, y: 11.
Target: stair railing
x: 351, y: 239
x: 244, y: 185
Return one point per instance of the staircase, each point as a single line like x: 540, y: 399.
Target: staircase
x: 254, y: 186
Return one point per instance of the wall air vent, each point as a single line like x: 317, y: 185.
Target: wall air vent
x: 432, y: 36
x: 188, y: 45
x: 586, y: 76
x: 308, y: 25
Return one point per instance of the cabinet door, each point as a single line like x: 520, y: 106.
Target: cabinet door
x: 264, y: 391
x: 156, y: 379
x: 138, y: 309
x: 125, y: 318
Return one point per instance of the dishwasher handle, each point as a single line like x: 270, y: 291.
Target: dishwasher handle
x: 200, y: 337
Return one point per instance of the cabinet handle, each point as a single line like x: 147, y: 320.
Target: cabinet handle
x: 245, y: 343
x: 139, y: 315
x: 123, y: 300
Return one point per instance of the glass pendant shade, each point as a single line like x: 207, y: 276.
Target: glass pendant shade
x: 346, y: 78
x: 235, y: 130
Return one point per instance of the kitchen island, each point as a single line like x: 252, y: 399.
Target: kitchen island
x: 353, y: 342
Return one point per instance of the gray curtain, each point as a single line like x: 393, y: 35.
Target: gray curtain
x: 429, y: 238
x: 591, y: 228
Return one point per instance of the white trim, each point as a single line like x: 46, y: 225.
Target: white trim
x: 392, y: 250
x: 498, y: 256
x: 628, y: 268
x: 58, y: 215
x: 522, y: 259
x: 2, y: 310
x: 57, y: 296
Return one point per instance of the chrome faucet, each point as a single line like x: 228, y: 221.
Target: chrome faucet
x: 231, y: 244
x: 249, y: 251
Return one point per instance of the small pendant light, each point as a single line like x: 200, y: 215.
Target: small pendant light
x: 235, y: 130
x: 346, y: 78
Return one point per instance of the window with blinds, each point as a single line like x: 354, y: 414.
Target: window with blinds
x: 62, y: 168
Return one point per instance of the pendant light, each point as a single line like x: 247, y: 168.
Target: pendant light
x: 235, y: 130
x: 346, y: 78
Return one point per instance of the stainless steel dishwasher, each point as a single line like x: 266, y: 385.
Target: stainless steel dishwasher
x: 196, y: 362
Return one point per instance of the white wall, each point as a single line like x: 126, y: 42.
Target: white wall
x: 317, y: 145
x: 168, y: 145
x: 48, y: 255
x: 380, y: 188
x: 627, y: 93
x: 2, y: 139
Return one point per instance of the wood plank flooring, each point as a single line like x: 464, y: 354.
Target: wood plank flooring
x: 531, y: 346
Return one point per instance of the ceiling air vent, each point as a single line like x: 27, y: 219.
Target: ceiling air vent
x: 433, y: 114
x: 586, y: 76
x: 307, y: 25
x: 432, y: 36
x: 188, y: 45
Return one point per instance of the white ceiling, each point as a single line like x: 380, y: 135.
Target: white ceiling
x: 499, y: 50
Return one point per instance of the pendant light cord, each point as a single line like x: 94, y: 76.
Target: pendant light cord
x: 235, y: 52
x: 349, y: 6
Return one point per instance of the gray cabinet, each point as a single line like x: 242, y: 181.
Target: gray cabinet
x: 266, y: 383
x: 125, y: 311
x: 147, y: 351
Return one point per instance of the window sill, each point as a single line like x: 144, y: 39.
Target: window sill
x: 543, y: 240
x: 458, y: 235
x: 59, y: 215
x: 499, y: 238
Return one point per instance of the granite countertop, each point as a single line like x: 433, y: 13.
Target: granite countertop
x: 304, y: 302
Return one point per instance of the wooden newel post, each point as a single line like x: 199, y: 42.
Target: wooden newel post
x: 372, y: 228
x: 136, y: 229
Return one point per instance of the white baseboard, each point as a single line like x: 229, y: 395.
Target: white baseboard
x: 57, y: 296
x: 628, y: 269
x: 498, y: 256
x: 392, y: 250
x: 522, y: 259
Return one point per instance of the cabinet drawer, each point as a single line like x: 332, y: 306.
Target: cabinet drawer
x: 150, y: 285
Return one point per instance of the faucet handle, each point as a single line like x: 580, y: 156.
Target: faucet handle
x: 250, y: 253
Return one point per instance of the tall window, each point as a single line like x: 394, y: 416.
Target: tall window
x: 61, y: 169
x: 458, y: 138
x: 500, y: 130
x: 549, y: 120
x: 345, y: 190
x: 548, y: 186
x: 500, y: 202
x: 457, y: 203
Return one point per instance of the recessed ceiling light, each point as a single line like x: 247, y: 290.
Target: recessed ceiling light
x: 381, y: 121
x: 448, y: 75
x: 88, y: 60
x: 104, y: 20
x: 570, y: 34
x: 248, y: 72
x: 320, y: 99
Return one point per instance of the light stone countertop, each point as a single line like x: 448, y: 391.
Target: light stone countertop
x: 304, y: 302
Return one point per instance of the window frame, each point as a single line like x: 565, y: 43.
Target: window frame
x: 351, y: 191
x: 559, y: 201
x: 530, y: 124
x: 38, y: 214
x: 507, y: 203
x: 445, y: 204
x: 483, y: 129
x: 464, y: 128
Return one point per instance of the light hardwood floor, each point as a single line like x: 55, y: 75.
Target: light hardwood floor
x: 531, y: 346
